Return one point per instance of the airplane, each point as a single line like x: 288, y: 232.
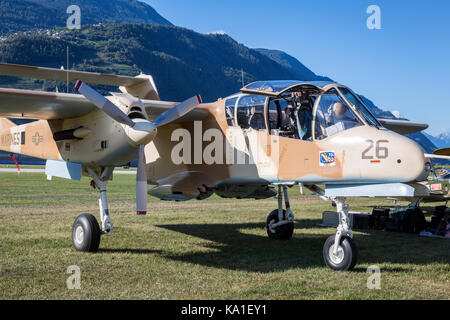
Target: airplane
x: 438, y: 184
x: 251, y: 145
x: 435, y: 187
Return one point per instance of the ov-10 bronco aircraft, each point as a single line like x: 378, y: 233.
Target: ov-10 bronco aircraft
x: 253, y: 144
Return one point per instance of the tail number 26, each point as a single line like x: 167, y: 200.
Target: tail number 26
x: 381, y: 152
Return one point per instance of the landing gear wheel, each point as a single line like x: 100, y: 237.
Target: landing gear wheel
x: 283, y: 232
x: 347, y: 255
x: 86, y: 233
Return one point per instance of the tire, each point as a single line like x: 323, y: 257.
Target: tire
x: 348, y: 254
x: 86, y: 233
x: 283, y: 232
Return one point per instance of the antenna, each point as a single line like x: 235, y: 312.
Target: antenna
x: 243, y: 84
x: 67, y: 69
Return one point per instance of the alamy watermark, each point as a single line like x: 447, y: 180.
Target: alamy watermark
x: 374, y: 280
x: 74, y: 20
x: 74, y: 281
x: 212, y: 147
x: 374, y: 19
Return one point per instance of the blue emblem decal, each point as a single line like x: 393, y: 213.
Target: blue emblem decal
x: 327, y: 159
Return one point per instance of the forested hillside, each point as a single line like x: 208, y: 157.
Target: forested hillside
x: 182, y: 61
x: 25, y: 15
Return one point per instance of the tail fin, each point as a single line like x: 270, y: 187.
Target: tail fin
x: 6, y: 123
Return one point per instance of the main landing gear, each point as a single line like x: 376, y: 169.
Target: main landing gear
x: 86, y: 231
x: 280, y: 222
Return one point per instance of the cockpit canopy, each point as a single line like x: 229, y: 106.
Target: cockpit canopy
x: 279, y: 87
x: 308, y: 111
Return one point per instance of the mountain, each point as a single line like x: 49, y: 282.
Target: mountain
x: 445, y: 138
x: 26, y: 15
x: 182, y: 61
x: 441, y: 141
x: 297, y: 68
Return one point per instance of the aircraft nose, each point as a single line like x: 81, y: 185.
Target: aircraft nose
x: 411, y: 160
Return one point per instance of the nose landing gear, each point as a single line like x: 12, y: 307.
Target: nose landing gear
x: 86, y: 232
x: 339, y: 251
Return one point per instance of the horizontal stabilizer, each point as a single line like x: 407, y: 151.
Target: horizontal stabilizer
x: 403, y: 126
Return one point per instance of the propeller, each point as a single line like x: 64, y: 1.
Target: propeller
x: 177, y: 111
x: 103, y: 104
x: 139, y: 131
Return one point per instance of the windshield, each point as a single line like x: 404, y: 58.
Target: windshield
x: 277, y: 87
x: 271, y: 86
x: 360, y: 107
x: 333, y: 115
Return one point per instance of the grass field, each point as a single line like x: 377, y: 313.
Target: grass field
x: 213, y: 249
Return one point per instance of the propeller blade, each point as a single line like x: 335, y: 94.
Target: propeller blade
x: 104, y: 104
x: 141, y: 184
x: 178, y: 111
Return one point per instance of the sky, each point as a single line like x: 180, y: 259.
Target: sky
x: 403, y: 66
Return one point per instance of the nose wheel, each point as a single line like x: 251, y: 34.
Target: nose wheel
x: 345, y: 257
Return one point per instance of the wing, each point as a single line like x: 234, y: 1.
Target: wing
x: 42, y: 105
x: 141, y: 86
x: 403, y: 127
x: 15, y: 103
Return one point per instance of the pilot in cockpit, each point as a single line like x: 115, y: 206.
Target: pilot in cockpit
x: 287, y: 122
x: 338, y: 118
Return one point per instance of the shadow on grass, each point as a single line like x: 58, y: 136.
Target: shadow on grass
x: 132, y: 251
x: 236, y: 248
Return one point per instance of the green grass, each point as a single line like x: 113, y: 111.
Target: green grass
x: 213, y: 249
